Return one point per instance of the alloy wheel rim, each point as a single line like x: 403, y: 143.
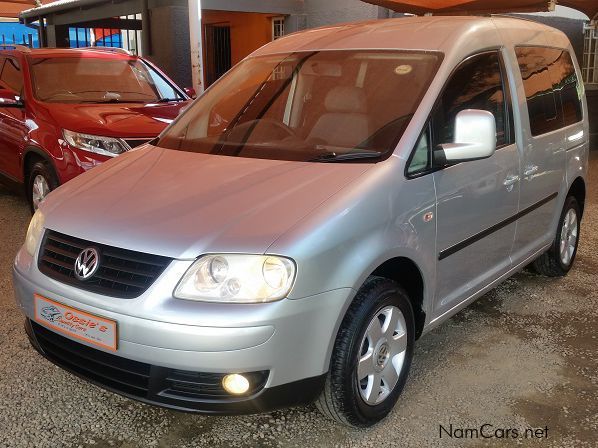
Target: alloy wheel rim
x: 39, y: 190
x: 382, y: 355
x: 569, y: 234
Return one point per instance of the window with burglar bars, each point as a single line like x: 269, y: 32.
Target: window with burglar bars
x: 590, y: 55
x: 277, y: 27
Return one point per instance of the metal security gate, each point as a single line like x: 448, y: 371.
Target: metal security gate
x: 119, y: 32
x: 27, y: 39
x: 218, y: 52
x: 590, y: 55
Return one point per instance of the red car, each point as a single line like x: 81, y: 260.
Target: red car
x: 64, y: 111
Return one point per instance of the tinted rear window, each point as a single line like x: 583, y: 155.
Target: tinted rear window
x: 552, y: 88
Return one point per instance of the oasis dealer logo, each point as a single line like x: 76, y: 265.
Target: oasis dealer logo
x: 87, y: 263
x: 51, y: 313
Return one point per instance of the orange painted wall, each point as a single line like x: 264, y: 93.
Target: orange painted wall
x: 248, y: 31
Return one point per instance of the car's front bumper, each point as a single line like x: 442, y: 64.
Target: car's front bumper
x: 170, y: 388
x: 289, y: 340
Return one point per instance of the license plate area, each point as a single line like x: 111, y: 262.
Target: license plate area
x: 75, y: 323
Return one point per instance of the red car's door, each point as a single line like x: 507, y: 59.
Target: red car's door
x: 12, y: 120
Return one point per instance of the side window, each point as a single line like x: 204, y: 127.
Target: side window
x: 165, y: 90
x: 420, y: 160
x: 11, y: 77
x: 534, y: 64
x: 566, y: 82
x: 476, y: 84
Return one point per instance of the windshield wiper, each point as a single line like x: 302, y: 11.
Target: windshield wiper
x: 111, y: 101
x: 358, y: 155
x: 168, y: 100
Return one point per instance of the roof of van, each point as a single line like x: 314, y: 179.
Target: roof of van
x: 431, y: 33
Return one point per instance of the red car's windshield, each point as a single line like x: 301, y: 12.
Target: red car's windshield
x: 99, y: 80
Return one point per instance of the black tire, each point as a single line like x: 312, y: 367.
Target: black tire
x: 341, y: 399
x: 550, y: 263
x: 44, y: 169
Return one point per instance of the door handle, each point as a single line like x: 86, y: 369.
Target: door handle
x: 511, y: 180
x: 530, y: 170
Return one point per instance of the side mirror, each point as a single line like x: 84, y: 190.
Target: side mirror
x: 475, y: 138
x: 9, y: 99
x: 190, y: 91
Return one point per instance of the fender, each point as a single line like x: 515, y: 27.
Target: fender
x: 40, y: 152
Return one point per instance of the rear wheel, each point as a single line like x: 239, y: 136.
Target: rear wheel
x: 558, y: 260
x: 41, y: 181
x: 371, y: 356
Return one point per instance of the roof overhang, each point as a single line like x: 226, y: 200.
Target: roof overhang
x: 588, y: 7
x: 12, y: 8
x: 261, y: 6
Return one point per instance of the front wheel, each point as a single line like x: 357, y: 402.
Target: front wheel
x: 41, y: 181
x: 558, y: 260
x: 371, y: 356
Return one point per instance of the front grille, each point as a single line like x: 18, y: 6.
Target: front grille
x: 122, y: 273
x: 125, y: 375
x: 159, y: 385
x: 135, y: 142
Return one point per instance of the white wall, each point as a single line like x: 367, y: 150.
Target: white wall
x: 563, y: 11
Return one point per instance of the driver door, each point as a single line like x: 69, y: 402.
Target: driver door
x: 12, y: 120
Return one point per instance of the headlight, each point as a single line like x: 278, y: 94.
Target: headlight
x: 237, y: 279
x: 34, y: 232
x: 107, y: 146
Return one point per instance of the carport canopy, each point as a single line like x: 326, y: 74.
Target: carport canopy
x: 588, y: 7
x: 12, y: 8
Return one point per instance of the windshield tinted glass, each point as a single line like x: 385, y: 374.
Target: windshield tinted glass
x: 308, y: 106
x: 98, y: 80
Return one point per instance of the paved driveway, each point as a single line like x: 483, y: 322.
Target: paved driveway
x: 523, y: 356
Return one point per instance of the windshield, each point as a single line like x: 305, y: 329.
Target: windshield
x: 308, y: 106
x: 99, y: 80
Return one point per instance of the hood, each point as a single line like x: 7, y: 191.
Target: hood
x: 116, y: 120
x: 182, y: 205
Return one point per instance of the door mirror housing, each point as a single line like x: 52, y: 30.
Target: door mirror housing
x: 9, y: 99
x: 190, y: 91
x: 475, y: 138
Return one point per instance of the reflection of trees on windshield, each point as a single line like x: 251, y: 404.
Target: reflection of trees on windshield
x: 68, y: 80
x: 264, y: 97
x: 551, y: 87
x: 476, y: 84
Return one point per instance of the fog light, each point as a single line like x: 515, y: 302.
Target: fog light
x: 235, y: 384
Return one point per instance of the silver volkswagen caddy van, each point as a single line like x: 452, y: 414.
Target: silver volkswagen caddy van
x: 332, y: 198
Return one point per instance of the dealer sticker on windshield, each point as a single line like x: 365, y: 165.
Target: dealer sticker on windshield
x: 75, y: 323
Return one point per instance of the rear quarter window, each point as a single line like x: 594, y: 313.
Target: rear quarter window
x: 570, y: 88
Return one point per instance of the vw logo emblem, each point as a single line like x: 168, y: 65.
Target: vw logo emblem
x: 383, y: 355
x: 87, y: 263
